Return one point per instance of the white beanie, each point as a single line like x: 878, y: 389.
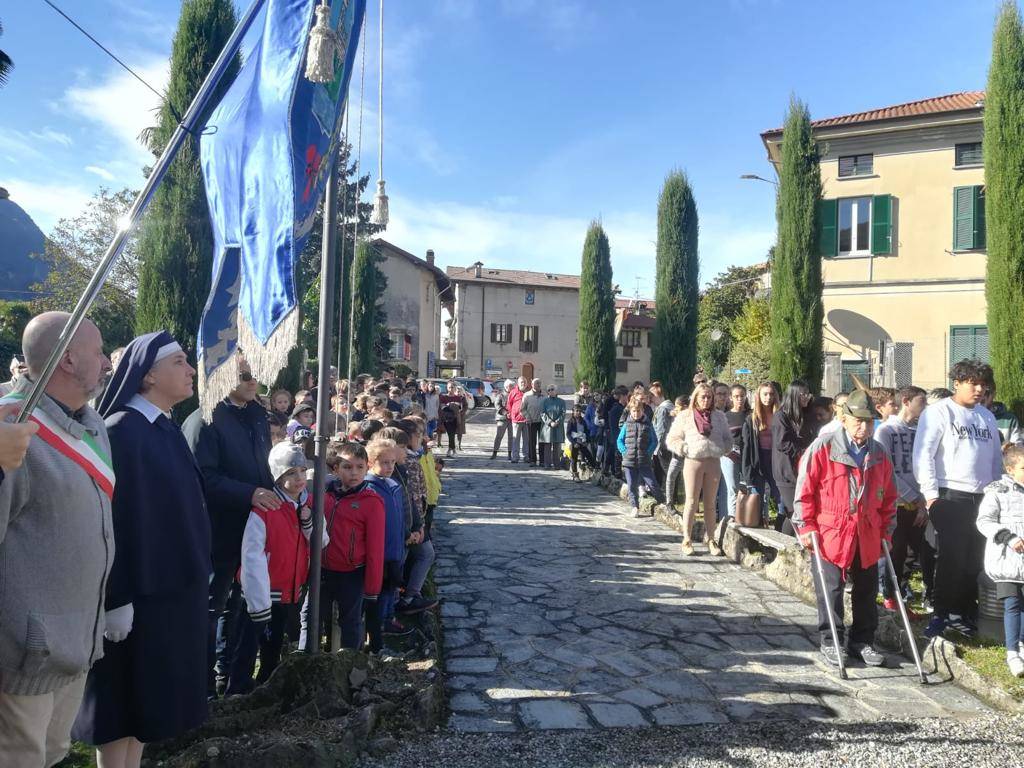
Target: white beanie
x: 285, y: 456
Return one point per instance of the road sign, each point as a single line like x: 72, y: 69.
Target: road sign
x: 489, y: 363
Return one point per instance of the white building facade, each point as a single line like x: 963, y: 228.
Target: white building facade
x: 510, y: 323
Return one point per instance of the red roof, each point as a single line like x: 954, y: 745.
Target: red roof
x: 621, y: 303
x: 953, y: 102
x: 513, y: 277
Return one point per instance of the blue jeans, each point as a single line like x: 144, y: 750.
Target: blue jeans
x: 417, y: 564
x: 346, y: 589
x: 266, y: 638
x: 727, y: 488
x: 636, y: 475
x: 1012, y: 624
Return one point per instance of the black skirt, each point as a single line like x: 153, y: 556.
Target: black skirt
x: 152, y: 685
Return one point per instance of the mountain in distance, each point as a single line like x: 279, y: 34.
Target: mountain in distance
x: 20, y: 238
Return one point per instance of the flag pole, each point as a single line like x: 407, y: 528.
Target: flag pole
x: 177, y: 140
x: 325, y: 338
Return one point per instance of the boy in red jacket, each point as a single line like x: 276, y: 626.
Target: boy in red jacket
x: 275, y: 564
x: 846, y: 495
x: 353, y: 563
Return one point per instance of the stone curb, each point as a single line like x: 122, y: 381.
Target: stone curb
x: 790, y: 569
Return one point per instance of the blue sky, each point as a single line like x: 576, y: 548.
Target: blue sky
x: 510, y: 124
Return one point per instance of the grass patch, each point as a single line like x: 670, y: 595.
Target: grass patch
x: 988, y: 659
x: 80, y: 756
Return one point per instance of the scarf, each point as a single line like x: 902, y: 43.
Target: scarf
x: 702, y: 421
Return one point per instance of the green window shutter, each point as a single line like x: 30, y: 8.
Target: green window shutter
x: 828, y: 228
x: 979, y: 217
x: 964, y: 204
x: 881, y: 225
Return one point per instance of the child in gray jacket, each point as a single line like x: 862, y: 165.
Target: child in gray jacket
x: 1001, y: 521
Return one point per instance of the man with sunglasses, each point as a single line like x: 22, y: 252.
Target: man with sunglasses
x: 233, y: 453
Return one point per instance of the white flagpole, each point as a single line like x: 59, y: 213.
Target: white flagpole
x: 185, y: 127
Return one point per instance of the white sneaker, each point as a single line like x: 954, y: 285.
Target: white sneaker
x: 1016, y: 664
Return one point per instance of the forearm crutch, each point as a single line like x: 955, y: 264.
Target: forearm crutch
x: 818, y: 569
x: 903, y: 611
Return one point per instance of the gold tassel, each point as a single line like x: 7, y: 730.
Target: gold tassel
x: 325, y: 47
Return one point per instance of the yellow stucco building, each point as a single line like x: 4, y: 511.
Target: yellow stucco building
x: 902, y: 240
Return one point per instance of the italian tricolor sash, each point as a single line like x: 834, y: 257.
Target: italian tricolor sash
x: 85, y: 452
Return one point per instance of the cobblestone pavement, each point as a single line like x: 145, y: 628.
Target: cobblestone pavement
x: 563, y: 612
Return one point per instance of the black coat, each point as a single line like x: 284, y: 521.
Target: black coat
x: 788, y: 444
x: 750, y: 455
x: 233, y: 452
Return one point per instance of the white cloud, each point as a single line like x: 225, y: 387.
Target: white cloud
x: 495, y: 234
x: 48, y: 134
x: 47, y: 202
x: 122, y: 106
x: 18, y: 148
x: 103, y: 173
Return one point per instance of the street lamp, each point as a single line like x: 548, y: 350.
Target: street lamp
x: 755, y: 177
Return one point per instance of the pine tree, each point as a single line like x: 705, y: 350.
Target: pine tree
x: 597, y: 313
x: 677, y: 292
x: 369, y: 342
x: 176, y: 238
x: 1004, y: 217
x: 796, y: 306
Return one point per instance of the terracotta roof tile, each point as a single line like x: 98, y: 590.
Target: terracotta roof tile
x: 953, y: 102
x: 514, y: 277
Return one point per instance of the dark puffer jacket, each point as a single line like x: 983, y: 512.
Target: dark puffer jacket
x: 637, y: 442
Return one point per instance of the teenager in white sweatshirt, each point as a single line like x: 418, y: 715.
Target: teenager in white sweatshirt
x: 896, y: 435
x: 956, y: 454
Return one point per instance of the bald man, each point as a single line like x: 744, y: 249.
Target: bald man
x: 56, y: 548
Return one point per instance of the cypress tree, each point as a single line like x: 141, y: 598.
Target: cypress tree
x: 796, y: 306
x: 370, y: 321
x: 1004, y: 205
x: 176, y: 239
x: 676, y: 293
x: 597, y: 313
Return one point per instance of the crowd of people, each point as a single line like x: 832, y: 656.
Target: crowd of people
x: 147, y: 568
x: 910, y: 467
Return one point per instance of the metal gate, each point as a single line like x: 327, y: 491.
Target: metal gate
x: 899, y: 364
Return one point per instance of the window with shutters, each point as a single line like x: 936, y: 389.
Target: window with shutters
x: 969, y: 155
x: 854, y: 226
x: 501, y: 333
x: 629, y: 338
x: 969, y: 218
x: 621, y: 365
x: 528, y: 338
x: 968, y: 342
x: 400, y: 345
x: 559, y: 370
x: 856, y: 165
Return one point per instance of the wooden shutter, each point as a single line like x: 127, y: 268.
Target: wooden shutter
x: 979, y: 217
x: 881, y: 225
x: 494, y: 332
x: 828, y: 228
x: 536, y: 338
x: 966, y: 204
x: 508, y: 332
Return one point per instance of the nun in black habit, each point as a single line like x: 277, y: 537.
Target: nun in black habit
x: 151, y: 683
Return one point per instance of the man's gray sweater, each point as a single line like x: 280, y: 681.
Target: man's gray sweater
x: 56, y: 549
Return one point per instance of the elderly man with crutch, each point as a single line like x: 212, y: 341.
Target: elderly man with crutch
x: 845, y: 503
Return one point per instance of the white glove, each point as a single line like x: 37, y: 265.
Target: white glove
x: 119, y: 623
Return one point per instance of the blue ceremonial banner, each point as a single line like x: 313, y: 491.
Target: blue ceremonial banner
x: 263, y: 154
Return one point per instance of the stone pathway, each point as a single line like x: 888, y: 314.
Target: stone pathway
x: 563, y: 612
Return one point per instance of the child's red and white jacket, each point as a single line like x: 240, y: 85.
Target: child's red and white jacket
x: 275, y: 556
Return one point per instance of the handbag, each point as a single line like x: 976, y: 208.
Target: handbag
x: 748, y: 508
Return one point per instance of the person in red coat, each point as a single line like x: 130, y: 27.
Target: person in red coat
x: 847, y: 496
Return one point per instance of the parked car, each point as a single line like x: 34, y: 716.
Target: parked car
x: 480, y: 389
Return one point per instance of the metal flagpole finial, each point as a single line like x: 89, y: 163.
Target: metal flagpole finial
x: 325, y: 47
x: 380, y: 206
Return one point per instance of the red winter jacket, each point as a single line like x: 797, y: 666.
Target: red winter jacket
x: 275, y: 558
x: 355, y: 522
x: 850, y: 508
x: 515, y: 405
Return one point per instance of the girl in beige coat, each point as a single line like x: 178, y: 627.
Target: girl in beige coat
x: 699, y: 437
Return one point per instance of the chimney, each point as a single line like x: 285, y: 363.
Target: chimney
x: 430, y: 257
x: 477, y: 267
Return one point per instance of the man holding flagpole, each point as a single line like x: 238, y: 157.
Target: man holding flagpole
x: 56, y: 548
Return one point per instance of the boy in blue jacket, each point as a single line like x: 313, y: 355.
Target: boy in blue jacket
x: 381, y: 455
